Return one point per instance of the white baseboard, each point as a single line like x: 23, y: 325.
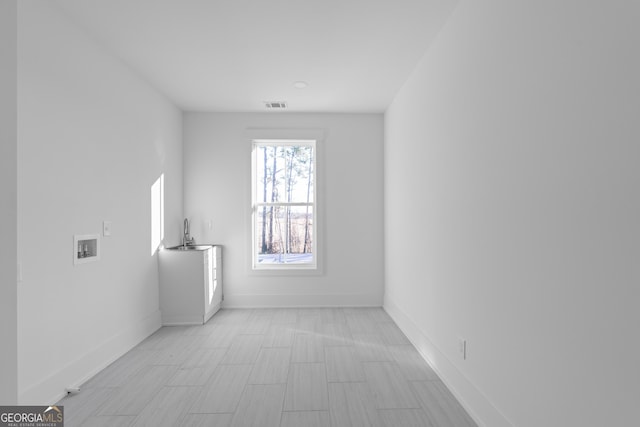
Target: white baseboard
x: 483, y: 412
x: 190, y: 320
x: 213, y: 310
x: 289, y: 300
x: 52, y: 388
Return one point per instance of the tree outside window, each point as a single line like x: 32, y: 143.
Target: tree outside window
x: 283, y: 184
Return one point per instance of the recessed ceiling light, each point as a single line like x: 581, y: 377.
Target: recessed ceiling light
x: 300, y: 84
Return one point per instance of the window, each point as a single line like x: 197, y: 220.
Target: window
x: 284, y: 204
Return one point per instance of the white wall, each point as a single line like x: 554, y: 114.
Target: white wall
x: 217, y: 186
x: 8, y: 206
x: 513, y: 213
x: 93, y: 138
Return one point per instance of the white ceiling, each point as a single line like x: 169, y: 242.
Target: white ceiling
x: 231, y: 55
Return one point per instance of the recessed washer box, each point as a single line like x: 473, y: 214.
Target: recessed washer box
x: 86, y: 248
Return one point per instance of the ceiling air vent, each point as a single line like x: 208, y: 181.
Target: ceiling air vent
x: 275, y: 105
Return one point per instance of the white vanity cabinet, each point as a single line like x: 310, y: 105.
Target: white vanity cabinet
x: 190, y: 284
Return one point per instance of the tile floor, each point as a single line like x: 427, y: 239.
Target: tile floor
x: 271, y: 367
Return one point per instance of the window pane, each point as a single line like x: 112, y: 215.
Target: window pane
x: 284, y: 174
x: 284, y: 235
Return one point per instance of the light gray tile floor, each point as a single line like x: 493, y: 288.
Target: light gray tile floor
x: 271, y: 368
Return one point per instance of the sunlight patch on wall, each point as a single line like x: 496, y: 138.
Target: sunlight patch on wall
x: 157, y: 214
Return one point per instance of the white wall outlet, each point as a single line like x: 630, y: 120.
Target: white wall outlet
x: 210, y: 224
x: 106, y: 228
x: 462, y: 348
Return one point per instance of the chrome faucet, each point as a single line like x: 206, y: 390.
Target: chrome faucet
x: 186, y: 237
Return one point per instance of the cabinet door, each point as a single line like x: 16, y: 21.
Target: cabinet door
x: 209, y: 279
x: 217, y: 274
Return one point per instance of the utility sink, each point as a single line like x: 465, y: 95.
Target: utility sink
x: 190, y: 285
x: 190, y: 248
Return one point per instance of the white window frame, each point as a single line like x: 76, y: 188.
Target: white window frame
x: 256, y: 205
